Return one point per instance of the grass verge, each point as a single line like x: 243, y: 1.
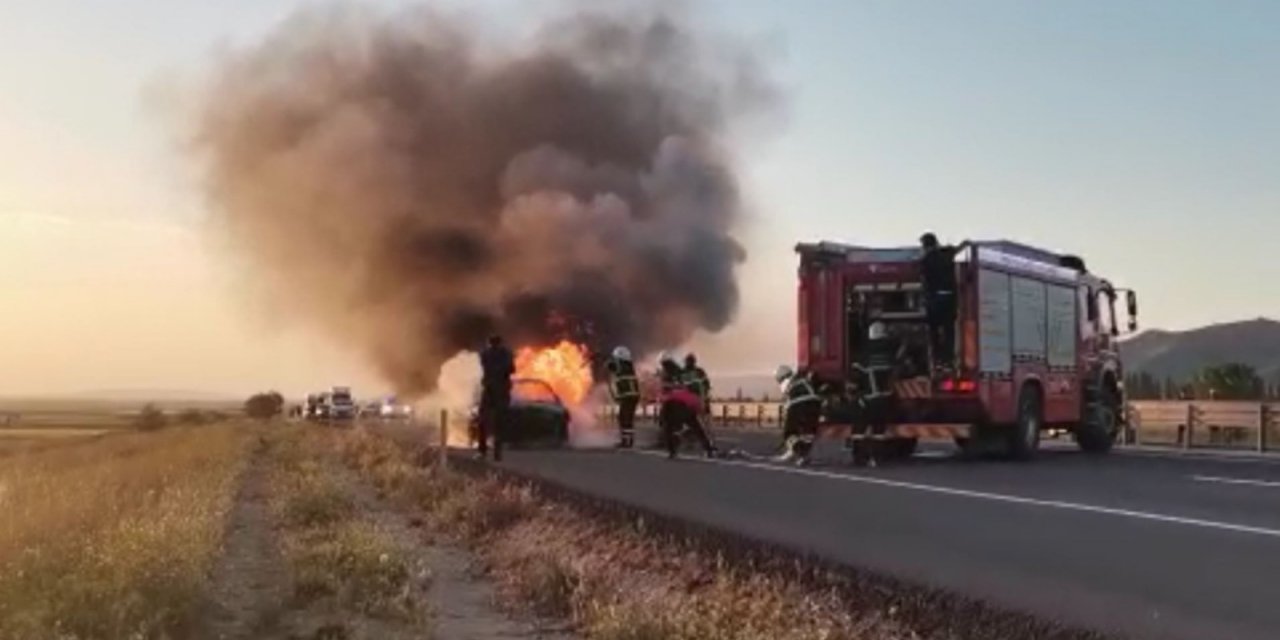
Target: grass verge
x: 341, y: 558
x: 113, y: 537
x: 612, y: 582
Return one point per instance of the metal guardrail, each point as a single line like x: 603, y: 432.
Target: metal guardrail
x: 1241, y: 426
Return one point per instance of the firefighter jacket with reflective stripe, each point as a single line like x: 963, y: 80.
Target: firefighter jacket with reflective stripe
x: 878, y: 364
x: 623, y: 383
x: 798, y: 391
x: 697, y: 381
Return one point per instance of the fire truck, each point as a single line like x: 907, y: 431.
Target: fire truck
x: 1035, y: 345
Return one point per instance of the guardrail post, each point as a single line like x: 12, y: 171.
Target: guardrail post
x: 759, y: 415
x: 724, y: 415
x: 1187, y: 434
x: 1132, y: 434
x: 444, y: 438
x: 742, y: 415
x: 1264, y: 423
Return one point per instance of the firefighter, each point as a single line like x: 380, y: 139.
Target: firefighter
x: 680, y: 409
x: 696, y: 379
x: 624, y: 386
x: 497, y: 364
x: 938, y: 277
x: 880, y: 359
x: 802, y: 410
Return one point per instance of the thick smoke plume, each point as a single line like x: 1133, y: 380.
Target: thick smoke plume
x: 414, y: 185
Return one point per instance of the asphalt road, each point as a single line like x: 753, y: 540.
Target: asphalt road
x: 1147, y: 546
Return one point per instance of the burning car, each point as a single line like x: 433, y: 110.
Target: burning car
x: 537, y: 416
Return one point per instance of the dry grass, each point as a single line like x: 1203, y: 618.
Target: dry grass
x: 113, y: 537
x: 611, y: 582
x: 341, y: 558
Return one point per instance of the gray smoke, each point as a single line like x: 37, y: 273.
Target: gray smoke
x: 414, y: 185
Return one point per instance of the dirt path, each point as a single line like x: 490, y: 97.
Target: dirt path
x: 249, y: 586
x: 462, y: 602
x: 465, y: 604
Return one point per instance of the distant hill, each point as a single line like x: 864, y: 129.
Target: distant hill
x: 1180, y: 354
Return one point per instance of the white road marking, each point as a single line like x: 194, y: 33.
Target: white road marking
x: 1201, y: 456
x: 993, y: 497
x: 1247, y: 481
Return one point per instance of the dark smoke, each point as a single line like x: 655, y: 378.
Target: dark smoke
x: 414, y: 185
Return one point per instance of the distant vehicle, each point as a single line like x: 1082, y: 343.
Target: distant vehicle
x: 371, y: 410
x: 341, y: 405
x: 537, y: 416
x: 391, y: 410
x: 1036, y: 343
x: 317, y: 407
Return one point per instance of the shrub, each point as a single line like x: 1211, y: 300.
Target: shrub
x: 151, y: 418
x: 264, y: 406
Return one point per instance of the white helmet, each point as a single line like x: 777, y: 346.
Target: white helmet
x: 622, y: 353
x: 877, y: 331
x: 783, y: 373
x: 666, y: 357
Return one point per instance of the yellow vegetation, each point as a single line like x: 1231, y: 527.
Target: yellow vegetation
x: 113, y: 537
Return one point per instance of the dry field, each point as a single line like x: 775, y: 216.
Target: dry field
x: 283, y: 531
x: 111, y: 537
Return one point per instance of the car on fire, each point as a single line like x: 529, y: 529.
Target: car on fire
x: 537, y: 416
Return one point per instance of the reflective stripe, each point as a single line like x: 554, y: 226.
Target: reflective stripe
x: 805, y: 393
x: 625, y: 386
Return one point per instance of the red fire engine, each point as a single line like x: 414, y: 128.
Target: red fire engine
x: 1035, y: 344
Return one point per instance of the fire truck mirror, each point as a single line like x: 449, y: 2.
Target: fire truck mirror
x: 1132, y: 302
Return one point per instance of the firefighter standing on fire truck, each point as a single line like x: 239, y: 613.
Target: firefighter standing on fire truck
x: 680, y: 408
x: 624, y: 386
x: 802, y: 410
x: 938, y: 277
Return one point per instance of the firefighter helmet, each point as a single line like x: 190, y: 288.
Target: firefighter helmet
x: 877, y: 331
x: 666, y: 357
x: 783, y: 373
x: 622, y: 353
x: 690, y: 359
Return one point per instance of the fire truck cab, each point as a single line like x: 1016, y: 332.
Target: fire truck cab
x: 1035, y: 344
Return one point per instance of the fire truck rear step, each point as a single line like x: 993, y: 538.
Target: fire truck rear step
x: 928, y: 431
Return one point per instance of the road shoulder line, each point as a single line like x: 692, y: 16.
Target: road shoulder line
x: 995, y: 497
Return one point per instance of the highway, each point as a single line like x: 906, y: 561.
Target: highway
x: 1144, y: 546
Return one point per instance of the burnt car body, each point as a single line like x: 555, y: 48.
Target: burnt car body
x: 536, y: 417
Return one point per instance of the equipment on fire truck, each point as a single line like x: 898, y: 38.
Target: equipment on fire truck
x: 1035, y: 344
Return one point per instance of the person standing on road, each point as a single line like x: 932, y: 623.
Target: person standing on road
x: 801, y: 411
x: 498, y: 364
x: 624, y: 386
x: 680, y: 409
x: 881, y: 356
x: 938, y: 277
x: 697, y: 381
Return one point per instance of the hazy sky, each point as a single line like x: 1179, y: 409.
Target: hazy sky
x: 1142, y: 135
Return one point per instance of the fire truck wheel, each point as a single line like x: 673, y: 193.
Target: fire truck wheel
x: 1097, y: 433
x: 1025, y: 437
x: 904, y: 447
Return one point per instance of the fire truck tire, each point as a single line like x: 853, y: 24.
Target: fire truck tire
x: 1098, y: 433
x: 904, y: 447
x: 1024, y: 439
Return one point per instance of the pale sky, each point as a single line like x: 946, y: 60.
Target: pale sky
x: 1142, y: 135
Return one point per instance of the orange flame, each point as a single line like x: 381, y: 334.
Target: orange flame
x: 566, y: 368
